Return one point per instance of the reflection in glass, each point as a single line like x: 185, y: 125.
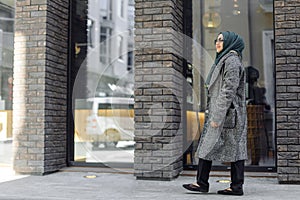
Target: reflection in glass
x: 103, y: 87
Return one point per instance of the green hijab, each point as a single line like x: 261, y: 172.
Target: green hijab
x: 232, y: 41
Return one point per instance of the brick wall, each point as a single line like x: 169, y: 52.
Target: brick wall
x: 158, y: 89
x: 40, y: 86
x: 287, y: 53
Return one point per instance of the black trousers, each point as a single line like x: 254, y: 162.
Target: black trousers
x: 236, y: 173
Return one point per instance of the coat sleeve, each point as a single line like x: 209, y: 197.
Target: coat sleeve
x: 230, y: 82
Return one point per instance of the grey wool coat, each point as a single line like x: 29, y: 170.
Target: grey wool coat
x: 226, y: 90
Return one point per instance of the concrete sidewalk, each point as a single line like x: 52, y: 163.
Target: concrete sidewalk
x: 85, y: 184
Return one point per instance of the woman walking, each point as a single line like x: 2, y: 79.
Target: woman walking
x: 224, y: 137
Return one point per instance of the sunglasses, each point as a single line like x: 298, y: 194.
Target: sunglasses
x: 218, y: 40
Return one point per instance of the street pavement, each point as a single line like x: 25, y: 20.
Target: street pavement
x: 85, y: 184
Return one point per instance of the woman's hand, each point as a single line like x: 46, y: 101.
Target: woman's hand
x: 214, y: 124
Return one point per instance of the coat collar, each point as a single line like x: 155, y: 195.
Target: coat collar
x: 219, y: 66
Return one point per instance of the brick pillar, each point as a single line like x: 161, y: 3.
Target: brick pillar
x: 40, y: 86
x: 158, y: 89
x: 287, y: 53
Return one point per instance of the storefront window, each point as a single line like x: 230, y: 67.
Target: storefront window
x: 253, y: 20
x: 6, y: 81
x: 103, y: 85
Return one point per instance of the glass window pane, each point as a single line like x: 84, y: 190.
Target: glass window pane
x: 103, y: 88
x: 7, y: 10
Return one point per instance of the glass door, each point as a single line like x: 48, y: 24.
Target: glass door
x: 102, y: 82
